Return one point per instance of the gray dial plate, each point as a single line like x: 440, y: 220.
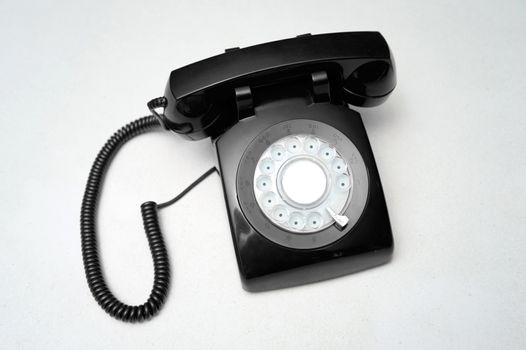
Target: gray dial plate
x: 247, y: 170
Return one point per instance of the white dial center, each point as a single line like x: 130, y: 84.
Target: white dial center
x: 303, y: 181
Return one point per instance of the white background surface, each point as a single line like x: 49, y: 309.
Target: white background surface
x: 449, y: 144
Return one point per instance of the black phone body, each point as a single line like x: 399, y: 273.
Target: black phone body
x: 249, y: 101
x: 265, y: 264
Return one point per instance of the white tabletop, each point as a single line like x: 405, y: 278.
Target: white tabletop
x: 449, y: 144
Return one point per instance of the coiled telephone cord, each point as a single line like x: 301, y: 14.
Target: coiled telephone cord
x: 90, y: 254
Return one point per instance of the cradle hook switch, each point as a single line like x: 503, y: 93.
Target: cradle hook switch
x: 321, y: 89
x: 244, y: 102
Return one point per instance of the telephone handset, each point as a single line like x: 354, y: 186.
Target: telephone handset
x: 301, y: 186
x: 205, y: 98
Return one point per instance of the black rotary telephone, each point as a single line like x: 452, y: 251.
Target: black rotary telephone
x: 302, y: 189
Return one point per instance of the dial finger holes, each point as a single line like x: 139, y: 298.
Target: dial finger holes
x: 311, y: 145
x: 269, y: 200
x: 296, y: 221
x: 296, y: 178
x: 267, y: 166
x: 293, y: 145
x: 327, y: 153
x: 263, y: 183
x: 277, y: 152
x: 280, y: 214
x: 338, y: 166
x: 314, y: 220
x: 343, y: 182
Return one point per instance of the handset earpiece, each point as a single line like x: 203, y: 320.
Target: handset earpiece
x: 370, y: 83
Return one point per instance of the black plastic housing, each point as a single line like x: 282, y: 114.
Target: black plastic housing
x: 265, y: 265
x: 234, y: 97
x: 201, y: 100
